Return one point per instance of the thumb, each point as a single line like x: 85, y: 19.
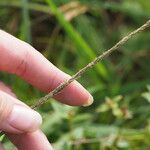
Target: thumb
x: 15, y: 117
x: 1, y: 147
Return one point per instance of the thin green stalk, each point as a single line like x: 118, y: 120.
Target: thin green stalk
x: 77, y: 39
x: 25, y: 30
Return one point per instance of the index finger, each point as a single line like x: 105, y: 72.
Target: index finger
x: 20, y: 58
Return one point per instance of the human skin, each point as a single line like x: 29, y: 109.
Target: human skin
x: 20, y: 123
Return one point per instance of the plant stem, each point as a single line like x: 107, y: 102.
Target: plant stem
x: 58, y: 89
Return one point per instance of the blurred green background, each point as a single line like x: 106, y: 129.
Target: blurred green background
x: 70, y: 33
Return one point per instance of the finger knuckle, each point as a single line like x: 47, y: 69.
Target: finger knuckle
x: 5, y: 106
x: 22, y: 63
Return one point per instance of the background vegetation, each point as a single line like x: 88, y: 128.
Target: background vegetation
x: 119, y: 119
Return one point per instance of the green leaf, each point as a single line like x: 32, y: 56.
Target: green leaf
x: 146, y: 96
x: 2, y: 137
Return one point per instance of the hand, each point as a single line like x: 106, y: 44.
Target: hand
x: 17, y: 120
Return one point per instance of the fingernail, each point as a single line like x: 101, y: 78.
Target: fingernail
x: 24, y: 119
x: 89, y: 101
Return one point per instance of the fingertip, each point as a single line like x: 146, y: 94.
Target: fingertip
x: 89, y: 101
x: 1, y: 147
x: 24, y: 119
x: 75, y: 95
x: 84, y: 98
